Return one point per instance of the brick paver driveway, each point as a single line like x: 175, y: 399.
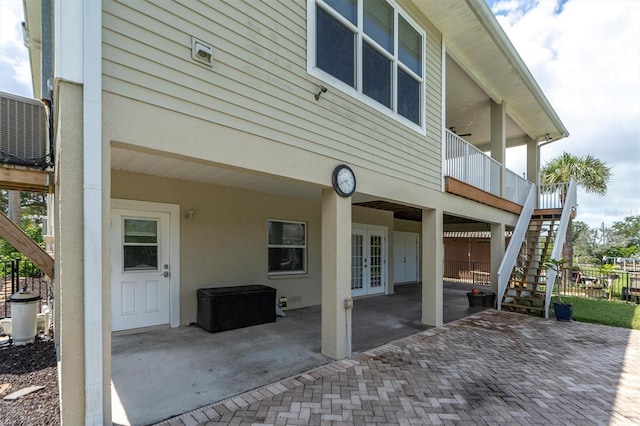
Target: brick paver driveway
x: 490, y: 368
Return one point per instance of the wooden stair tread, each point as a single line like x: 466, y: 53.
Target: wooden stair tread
x: 525, y: 307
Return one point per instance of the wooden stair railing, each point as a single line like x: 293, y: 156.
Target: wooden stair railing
x: 525, y: 290
x: 25, y: 245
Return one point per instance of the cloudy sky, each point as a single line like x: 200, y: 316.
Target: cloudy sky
x: 584, y: 55
x: 586, y: 58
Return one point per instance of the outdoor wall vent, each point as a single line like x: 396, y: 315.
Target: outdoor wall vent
x: 201, y: 52
x: 24, y: 131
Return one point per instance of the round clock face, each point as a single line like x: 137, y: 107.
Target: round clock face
x: 344, y: 181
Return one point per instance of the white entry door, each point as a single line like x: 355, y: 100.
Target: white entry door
x: 405, y: 257
x: 368, y: 261
x: 140, y: 268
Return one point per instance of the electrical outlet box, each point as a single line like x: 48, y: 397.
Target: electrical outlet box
x: 348, y: 303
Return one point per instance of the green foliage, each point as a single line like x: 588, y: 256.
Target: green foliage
x: 557, y: 265
x: 621, y: 240
x: 33, y: 230
x: 31, y: 203
x: 628, y: 228
x: 614, y: 313
x: 590, y: 173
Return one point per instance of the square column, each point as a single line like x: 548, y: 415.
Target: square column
x: 498, y: 145
x: 69, y: 247
x: 336, y: 274
x: 432, y: 259
x: 533, y: 161
x: 497, y: 252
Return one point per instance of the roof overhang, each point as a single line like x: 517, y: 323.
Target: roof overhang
x: 474, y: 39
x: 32, y: 39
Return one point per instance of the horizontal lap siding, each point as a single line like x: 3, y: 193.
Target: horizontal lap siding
x: 258, y: 82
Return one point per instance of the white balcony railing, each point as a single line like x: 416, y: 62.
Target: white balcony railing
x: 553, y: 196
x: 468, y: 164
x: 517, y: 187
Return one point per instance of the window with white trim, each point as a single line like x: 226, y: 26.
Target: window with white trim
x: 372, y: 50
x: 287, y: 247
x: 140, y: 244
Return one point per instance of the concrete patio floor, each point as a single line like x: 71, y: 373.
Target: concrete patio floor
x: 160, y: 374
x: 490, y: 368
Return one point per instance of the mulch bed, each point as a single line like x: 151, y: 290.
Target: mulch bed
x: 24, y: 366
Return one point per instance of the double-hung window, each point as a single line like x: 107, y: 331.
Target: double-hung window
x: 372, y: 50
x: 287, y: 247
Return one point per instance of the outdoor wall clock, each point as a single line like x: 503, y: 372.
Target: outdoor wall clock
x: 344, y: 180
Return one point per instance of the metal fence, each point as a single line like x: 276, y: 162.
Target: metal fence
x: 16, y: 275
x: 464, y: 271
x: 599, y: 284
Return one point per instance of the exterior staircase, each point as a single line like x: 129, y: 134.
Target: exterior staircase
x: 522, y: 277
x: 526, y: 289
x: 21, y: 241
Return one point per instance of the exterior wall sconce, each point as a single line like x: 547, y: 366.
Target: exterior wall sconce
x: 190, y: 214
x: 201, y: 52
x: 322, y: 90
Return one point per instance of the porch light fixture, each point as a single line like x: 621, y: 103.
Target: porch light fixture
x: 322, y: 90
x: 201, y: 52
x: 190, y: 214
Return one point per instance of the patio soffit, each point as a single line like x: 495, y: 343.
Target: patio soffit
x: 164, y: 165
x: 478, y: 45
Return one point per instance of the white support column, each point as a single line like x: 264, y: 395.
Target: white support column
x: 336, y: 274
x: 432, y: 259
x: 533, y: 161
x: 497, y: 252
x: 499, y: 144
x: 78, y: 60
x: 92, y: 212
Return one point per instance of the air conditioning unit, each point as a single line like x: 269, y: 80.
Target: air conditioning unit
x: 24, y: 132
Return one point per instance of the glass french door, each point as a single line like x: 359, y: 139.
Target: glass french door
x: 368, y: 261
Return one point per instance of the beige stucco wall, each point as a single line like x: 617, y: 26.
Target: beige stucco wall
x: 226, y: 243
x: 69, y: 275
x: 69, y: 281
x: 407, y: 226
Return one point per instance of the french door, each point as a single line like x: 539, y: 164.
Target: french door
x: 368, y: 261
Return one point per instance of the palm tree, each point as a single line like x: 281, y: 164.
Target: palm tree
x: 590, y: 173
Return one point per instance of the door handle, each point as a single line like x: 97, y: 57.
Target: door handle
x: 166, y: 274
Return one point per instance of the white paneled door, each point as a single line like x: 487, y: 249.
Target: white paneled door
x: 368, y: 261
x: 141, y: 269
x: 405, y: 257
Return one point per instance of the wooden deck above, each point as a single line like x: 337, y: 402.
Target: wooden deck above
x: 456, y: 187
x: 24, y: 179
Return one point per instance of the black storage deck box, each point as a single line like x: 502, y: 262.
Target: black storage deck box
x: 227, y: 308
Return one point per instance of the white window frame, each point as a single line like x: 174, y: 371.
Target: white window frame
x: 304, y: 247
x: 359, y: 30
x: 126, y: 244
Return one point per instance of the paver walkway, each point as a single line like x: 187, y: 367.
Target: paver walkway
x: 490, y: 368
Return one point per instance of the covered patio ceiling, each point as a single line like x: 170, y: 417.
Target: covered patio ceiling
x: 477, y: 46
x: 128, y: 159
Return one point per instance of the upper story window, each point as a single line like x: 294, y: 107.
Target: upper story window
x: 370, y: 49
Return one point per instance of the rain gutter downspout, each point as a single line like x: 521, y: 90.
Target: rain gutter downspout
x: 92, y: 211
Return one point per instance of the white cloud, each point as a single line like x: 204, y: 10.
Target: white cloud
x: 15, y: 70
x: 586, y: 59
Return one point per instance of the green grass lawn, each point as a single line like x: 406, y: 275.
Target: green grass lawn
x: 614, y: 313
